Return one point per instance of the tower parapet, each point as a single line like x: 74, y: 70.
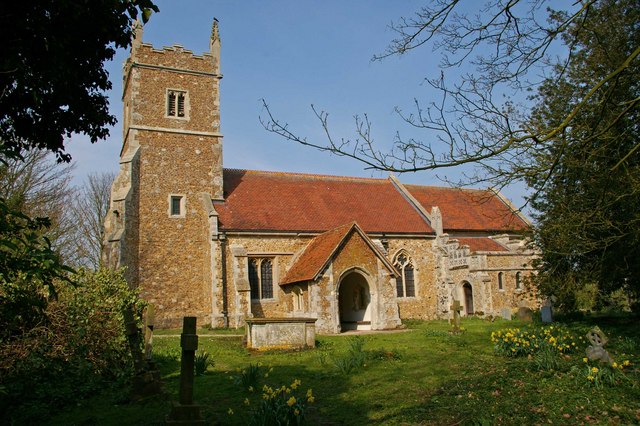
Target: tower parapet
x: 171, y: 159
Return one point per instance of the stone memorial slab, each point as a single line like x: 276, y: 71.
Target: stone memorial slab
x: 525, y: 314
x: 506, y: 313
x: 546, y: 314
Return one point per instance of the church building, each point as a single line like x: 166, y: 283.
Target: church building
x: 225, y: 245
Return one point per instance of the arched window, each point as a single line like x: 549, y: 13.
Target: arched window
x: 500, y: 283
x: 298, y: 300
x: 261, y: 278
x: 518, y: 281
x: 405, y: 284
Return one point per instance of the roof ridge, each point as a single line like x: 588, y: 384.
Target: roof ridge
x: 308, y: 175
x: 448, y: 188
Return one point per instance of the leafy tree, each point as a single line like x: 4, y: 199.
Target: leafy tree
x: 574, y: 142
x: 28, y: 269
x: 52, y: 76
x: 588, y: 203
x: 52, y: 83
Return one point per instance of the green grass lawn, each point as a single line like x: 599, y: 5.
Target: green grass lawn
x: 421, y: 376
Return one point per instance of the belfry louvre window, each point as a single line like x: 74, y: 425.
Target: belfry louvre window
x: 261, y: 278
x: 405, y: 283
x: 176, y: 100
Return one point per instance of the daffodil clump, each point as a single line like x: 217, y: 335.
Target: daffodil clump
x: 604, y: 374
x: 516, y: 342
x: 284, y: 405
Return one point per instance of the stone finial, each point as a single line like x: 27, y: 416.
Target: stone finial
x: 136, y: 39
x: 436, y: 220
x: 214, y: 45
x: 215, y: 34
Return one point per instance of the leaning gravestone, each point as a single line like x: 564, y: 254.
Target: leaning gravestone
x: 597, y: 352
x: 186, y: 412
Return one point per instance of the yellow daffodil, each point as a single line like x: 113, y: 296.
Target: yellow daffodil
x: 291, y: 401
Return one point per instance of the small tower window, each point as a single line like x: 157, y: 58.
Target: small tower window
x: 176, y: 103
x: 500, y: 283
x: 518, y: 281
x: 176, y: 205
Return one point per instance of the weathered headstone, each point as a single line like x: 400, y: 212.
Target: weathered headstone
x: 455, y: 321
x: 506, y: 313
x: 147, y: 381
x: 546, y: 313
x: 525, y: 314
x: 597, y: 352
x: 133, y: 338
x: 186, y: 412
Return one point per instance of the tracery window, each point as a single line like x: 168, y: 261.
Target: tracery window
x: 405, y: 284
x: 261, y: 278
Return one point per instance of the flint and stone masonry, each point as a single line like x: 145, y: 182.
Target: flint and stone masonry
x: 225, y: 245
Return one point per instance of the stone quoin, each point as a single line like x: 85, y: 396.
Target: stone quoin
x: 223, y: 245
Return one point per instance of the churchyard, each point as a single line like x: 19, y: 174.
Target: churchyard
x: 424, y: 375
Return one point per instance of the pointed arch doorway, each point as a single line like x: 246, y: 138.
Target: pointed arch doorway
x: 354, y: 302
x: 467, y: 292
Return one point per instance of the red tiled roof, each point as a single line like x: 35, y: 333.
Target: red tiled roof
x: 272, y: 201
x: 321, y: 249
x: 316, y: 254
x: 468, y: 209
x: 481, y: 244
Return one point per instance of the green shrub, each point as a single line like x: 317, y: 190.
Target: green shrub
x: 80, y: 348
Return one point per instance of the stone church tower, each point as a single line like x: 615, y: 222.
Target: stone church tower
x: 170, y: 171
x: 351, y: 253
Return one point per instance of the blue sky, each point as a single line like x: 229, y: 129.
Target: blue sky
x: 292, y: 54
